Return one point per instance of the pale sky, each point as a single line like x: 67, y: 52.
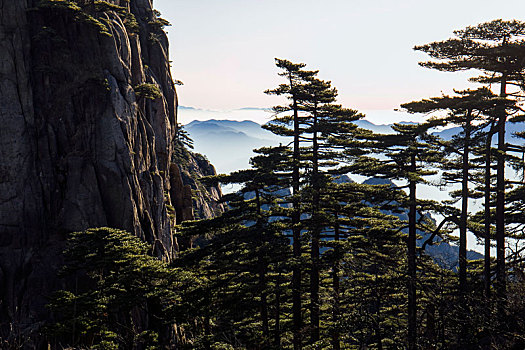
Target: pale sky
x: 223, y: 50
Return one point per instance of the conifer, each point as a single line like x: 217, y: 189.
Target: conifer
x: 495, y: 49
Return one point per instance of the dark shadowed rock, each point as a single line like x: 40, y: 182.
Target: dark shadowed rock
x: 78, y: 147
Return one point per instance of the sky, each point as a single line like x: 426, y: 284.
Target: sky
x: 223, y: 50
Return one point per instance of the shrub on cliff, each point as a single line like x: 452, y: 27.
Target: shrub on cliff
x: 149, y: 91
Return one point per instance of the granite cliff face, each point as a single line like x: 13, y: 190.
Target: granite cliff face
x: 84, y: 142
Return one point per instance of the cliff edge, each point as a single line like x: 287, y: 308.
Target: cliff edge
x: 88, y: 118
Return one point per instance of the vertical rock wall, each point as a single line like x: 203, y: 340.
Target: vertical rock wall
x: 78, y: 147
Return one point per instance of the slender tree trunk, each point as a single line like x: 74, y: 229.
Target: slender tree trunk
x: 500, y: 208
x: 262, y: 273
x: 442, y: 322
x: 463, y: 230
x: 277, y: 318
x: 488, y: 224
x: 335, y: 286
x: 264, y: 303
x: 314, y: 276
x: 412, y: 305
x: 296, y: 230
x: 430, y: 333
x: 207, y: 322
x: 488, y: 185
x: 377, y: 322
x: 464, y: 210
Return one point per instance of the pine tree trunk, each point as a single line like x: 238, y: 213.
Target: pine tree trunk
x: 463, y: 229
x: 488, y: 185
x: 314, y: 277
x: 277, y: 318
x: 488, y: 162
x: 335, y: 286
x: 430, y: 333
x: 500, y: 208
x: 262, y: 273
x: 464, y: 210
x: 412, y: 306
x: 264, y: 302
x: 207, y: 322
x: 296, y: 231
x: 377, y: 321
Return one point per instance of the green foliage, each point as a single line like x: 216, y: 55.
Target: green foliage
x: 182, y: 138
x: 157, y: 24
x: 148, y: 91
x: 128, y: 18
x: 59, y: 5
x: 75, y: 11
x: 182, y: 144
x: 82, y: 14
x: 115, y: 278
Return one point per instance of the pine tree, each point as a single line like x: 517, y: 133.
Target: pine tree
x: 407, y: 156
x: 318, y: 125
x: 495, y: 49
x: 319, y: 95
x: 323, y: 124
x: 290, y: 125
x: 367, y: 253
x: 469, y: 110
x: 116, y: 279
x: 245, y: 249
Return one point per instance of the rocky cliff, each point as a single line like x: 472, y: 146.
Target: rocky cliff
x: 88, y: 118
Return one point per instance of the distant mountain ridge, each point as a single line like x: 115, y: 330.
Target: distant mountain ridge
x: 510, y: 130
x: 228, y: 144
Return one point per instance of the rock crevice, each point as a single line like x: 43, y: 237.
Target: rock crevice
x: 78, y: 147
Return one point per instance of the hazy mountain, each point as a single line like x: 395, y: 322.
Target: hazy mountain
x: 446, y: 134
x: 379, y: 128
x: 511, y: 129
x: 228, y: 144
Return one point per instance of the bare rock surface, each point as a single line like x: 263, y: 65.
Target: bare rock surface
x: 79, y: 148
